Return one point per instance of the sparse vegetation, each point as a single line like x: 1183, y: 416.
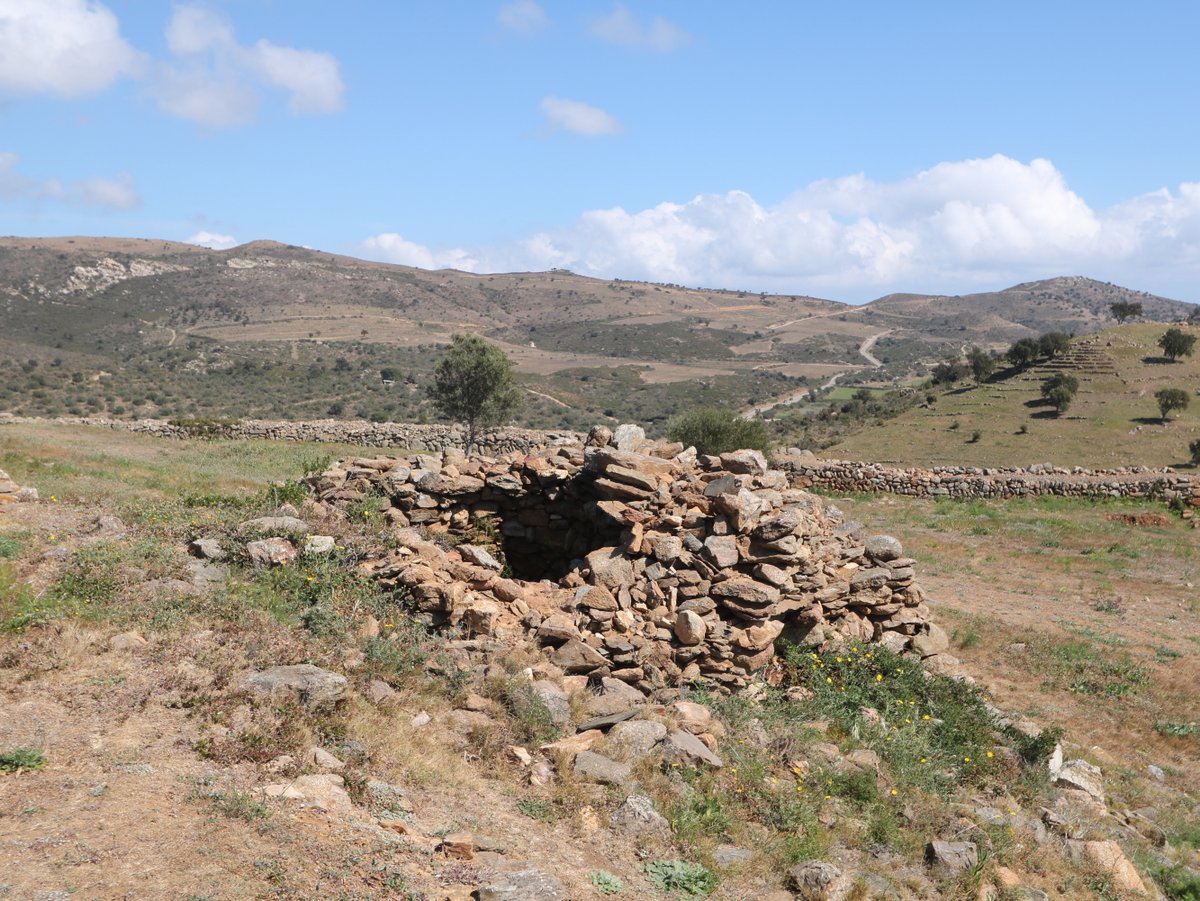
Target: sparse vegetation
x: 679, y: 877
x: 715, y: 431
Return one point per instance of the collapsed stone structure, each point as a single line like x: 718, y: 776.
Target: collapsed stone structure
x: 651, y: 568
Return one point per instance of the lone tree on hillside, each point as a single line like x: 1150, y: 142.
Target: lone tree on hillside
x: 981, y: 362
x: 473, y: 384
x: 1060, y: 390
x: 1124, y: 309
x: 1171, y: 399
x: 1176, y: 343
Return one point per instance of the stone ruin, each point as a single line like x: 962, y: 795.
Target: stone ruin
x: 10, y: 491
x: 654, y: 568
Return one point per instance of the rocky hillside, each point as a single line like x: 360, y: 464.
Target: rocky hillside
x: 136, y: 327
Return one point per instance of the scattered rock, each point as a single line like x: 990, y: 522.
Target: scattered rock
x: 638, y: 737
x: 1108, y: 856
x: 310, y: 685
x: 1081, y: 775
x: 686, y: 749
x: 817, y: 880
x: 598, y: 768
x: 527, y: 884
x: 727, y: 857
x: 271, y: 552
x: 319, y: 544
x: 327, y: 791
x: 276, y: 524
x: 637, y: 815
x: 951, y: 857
x: 126, y: 641
x: 208, y: 549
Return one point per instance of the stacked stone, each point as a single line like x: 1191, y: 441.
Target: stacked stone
x: 987, y: 482
x: 651, y: 569
x: 433, y: 438
x: 10, y: 491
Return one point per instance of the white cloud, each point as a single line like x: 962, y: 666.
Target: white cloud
x: 66, y: 47
x: 118, y: 193
x: 578, y: 117
x: 390, y: 247
x: 194, y: 30
x: 523, y: 16
x: 205, y: 97
x: 217, y: 81
x: 622, y: 27
x: 955, y: 227
x: 212, y: 240
x: 313, y: 78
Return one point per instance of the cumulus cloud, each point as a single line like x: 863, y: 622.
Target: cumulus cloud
x: 390, y: 247
x: 66, y: 47
x: 578, y: 117
x: 623, y: 28
x: 216, y: 81
x: 119, y: 193
x: 955, y: 227
x: 523, y: 16
x: 212, y: 240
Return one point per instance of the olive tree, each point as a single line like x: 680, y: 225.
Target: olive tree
x: 1171, y: 399
x: 1122, y: 310
x: 474, y: 384
x: 1176, y: 343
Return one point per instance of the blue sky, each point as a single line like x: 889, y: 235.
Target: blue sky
x: 843, y: 150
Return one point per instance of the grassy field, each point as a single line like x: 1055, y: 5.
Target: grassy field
x: 1113, y: 421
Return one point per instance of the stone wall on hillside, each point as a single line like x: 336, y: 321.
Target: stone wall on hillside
x: 985, y: 482
x: 410, y: 436
x: 645, y: 570
x: 806, y: 469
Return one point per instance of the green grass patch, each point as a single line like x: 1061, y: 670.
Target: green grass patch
x: 933, y: 732
x: 1082, y: 668
x: 17, y: 759
x: 10, y: 547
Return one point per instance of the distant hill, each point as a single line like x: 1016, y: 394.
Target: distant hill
x: 161, y: 328
x: 1113, y: 421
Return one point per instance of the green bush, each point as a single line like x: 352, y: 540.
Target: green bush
x: 717, y: 430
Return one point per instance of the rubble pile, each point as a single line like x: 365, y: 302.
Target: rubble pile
x: 653, y: 567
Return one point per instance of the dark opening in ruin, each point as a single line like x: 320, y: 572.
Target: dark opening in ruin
x: 546, y: 531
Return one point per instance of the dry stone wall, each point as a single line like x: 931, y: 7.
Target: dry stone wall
x: 642, y: 570
x: 410, y: 436
x: 978, y: 482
